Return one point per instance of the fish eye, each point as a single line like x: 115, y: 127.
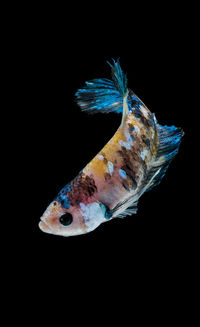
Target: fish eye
x: 66, y: 219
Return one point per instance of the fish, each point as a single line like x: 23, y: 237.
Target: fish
x: 134, y: 160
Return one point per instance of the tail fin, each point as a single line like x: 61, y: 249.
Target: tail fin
x: 104, y: 95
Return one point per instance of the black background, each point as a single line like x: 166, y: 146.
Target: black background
x: 54, y: 57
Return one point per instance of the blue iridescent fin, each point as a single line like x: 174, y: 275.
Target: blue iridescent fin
x: 169, y: 142
x: 104, y: 95
x: 119, y: 78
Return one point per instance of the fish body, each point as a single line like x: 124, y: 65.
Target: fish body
x: 132, y: 162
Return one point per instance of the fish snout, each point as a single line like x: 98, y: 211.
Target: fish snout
x: 49, y: 221
x: 44, y: 227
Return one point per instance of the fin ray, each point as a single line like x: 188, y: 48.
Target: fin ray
x: 169, y: 142
x: 104, y: 95
x: 125, y: 208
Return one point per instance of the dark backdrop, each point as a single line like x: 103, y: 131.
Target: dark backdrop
x: 62, y: 139
x: 57, y: 140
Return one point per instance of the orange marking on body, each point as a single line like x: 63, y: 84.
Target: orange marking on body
x: 99, y: 166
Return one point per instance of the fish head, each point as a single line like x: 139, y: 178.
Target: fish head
x: 77, y: 219
x: 61, y: 221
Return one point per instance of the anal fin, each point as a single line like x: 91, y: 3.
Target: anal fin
x: 169, y: 142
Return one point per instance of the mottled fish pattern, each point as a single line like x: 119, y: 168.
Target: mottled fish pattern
x: 131, y: 163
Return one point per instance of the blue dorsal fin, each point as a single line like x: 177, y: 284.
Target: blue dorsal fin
x: 119, y: 78
x: 104, y: 95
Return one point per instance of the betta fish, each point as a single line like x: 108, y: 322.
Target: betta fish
x: 132, y: 162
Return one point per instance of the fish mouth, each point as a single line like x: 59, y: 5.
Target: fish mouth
x: 44, y: 226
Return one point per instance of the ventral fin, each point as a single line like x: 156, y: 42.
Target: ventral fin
x: 125, y: 208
